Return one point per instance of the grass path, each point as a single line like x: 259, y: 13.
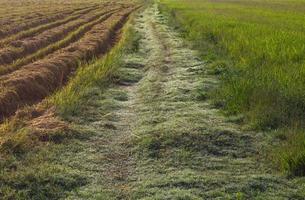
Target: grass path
x: 155, y: 135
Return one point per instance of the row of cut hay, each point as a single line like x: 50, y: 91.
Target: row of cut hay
x: 35, y: 81
x: 25, y: 14
x: 27, y: 46
x: 8, y: 20
x: 31, y: 32
x: 70, y: 38
x: 13, y: 29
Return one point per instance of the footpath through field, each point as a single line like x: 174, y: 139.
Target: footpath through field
x: 156, y: 136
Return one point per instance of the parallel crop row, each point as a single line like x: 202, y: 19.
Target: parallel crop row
x: 70, y: 38
x: 43, y: 27
x: 25, y: 14
x: 25, y: 47
x: 13, y: 29
x: 35, y: 81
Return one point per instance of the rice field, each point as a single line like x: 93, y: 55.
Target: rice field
x: 257, y: 50
x: 264, y: 40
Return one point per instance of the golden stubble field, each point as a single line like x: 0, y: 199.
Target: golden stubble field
x: 43, y: 42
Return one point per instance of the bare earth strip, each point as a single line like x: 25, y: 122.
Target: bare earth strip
x: 156, y: 137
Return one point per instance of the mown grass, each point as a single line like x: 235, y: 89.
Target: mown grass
x: 30, y: 167
x: 257, y: 49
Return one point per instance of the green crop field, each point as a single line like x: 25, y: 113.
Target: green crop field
x: 265, y: 42
x: 257, y: 47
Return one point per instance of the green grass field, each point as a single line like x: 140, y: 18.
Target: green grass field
x: 257, y: 48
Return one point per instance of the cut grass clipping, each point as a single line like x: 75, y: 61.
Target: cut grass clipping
x: 28, y: 168
x: 257, y: 49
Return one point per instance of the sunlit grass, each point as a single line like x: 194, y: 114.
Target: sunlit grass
x: 262, y: 44
x: 266, y: 43
x: 290, y: 155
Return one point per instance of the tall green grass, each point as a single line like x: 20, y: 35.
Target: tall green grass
x: 266, y: 42
x: 289, y: 156
x: 258, y: 49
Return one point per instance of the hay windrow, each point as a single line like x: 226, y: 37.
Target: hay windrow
x: 37, y: 80
x: 21, y: 48
x: 30, y: 32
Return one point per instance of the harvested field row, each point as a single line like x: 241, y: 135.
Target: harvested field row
x: 23, y: 13
x: 27, y: 24
x: 12, y: 29
x: 26, y: 16
x: 23, y: 16
x: 32, y: 11
x: 70, y: 38
x: 35, y: 81
x: 25, y: 47
x: 44, y: 27
x: 8, y: 19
